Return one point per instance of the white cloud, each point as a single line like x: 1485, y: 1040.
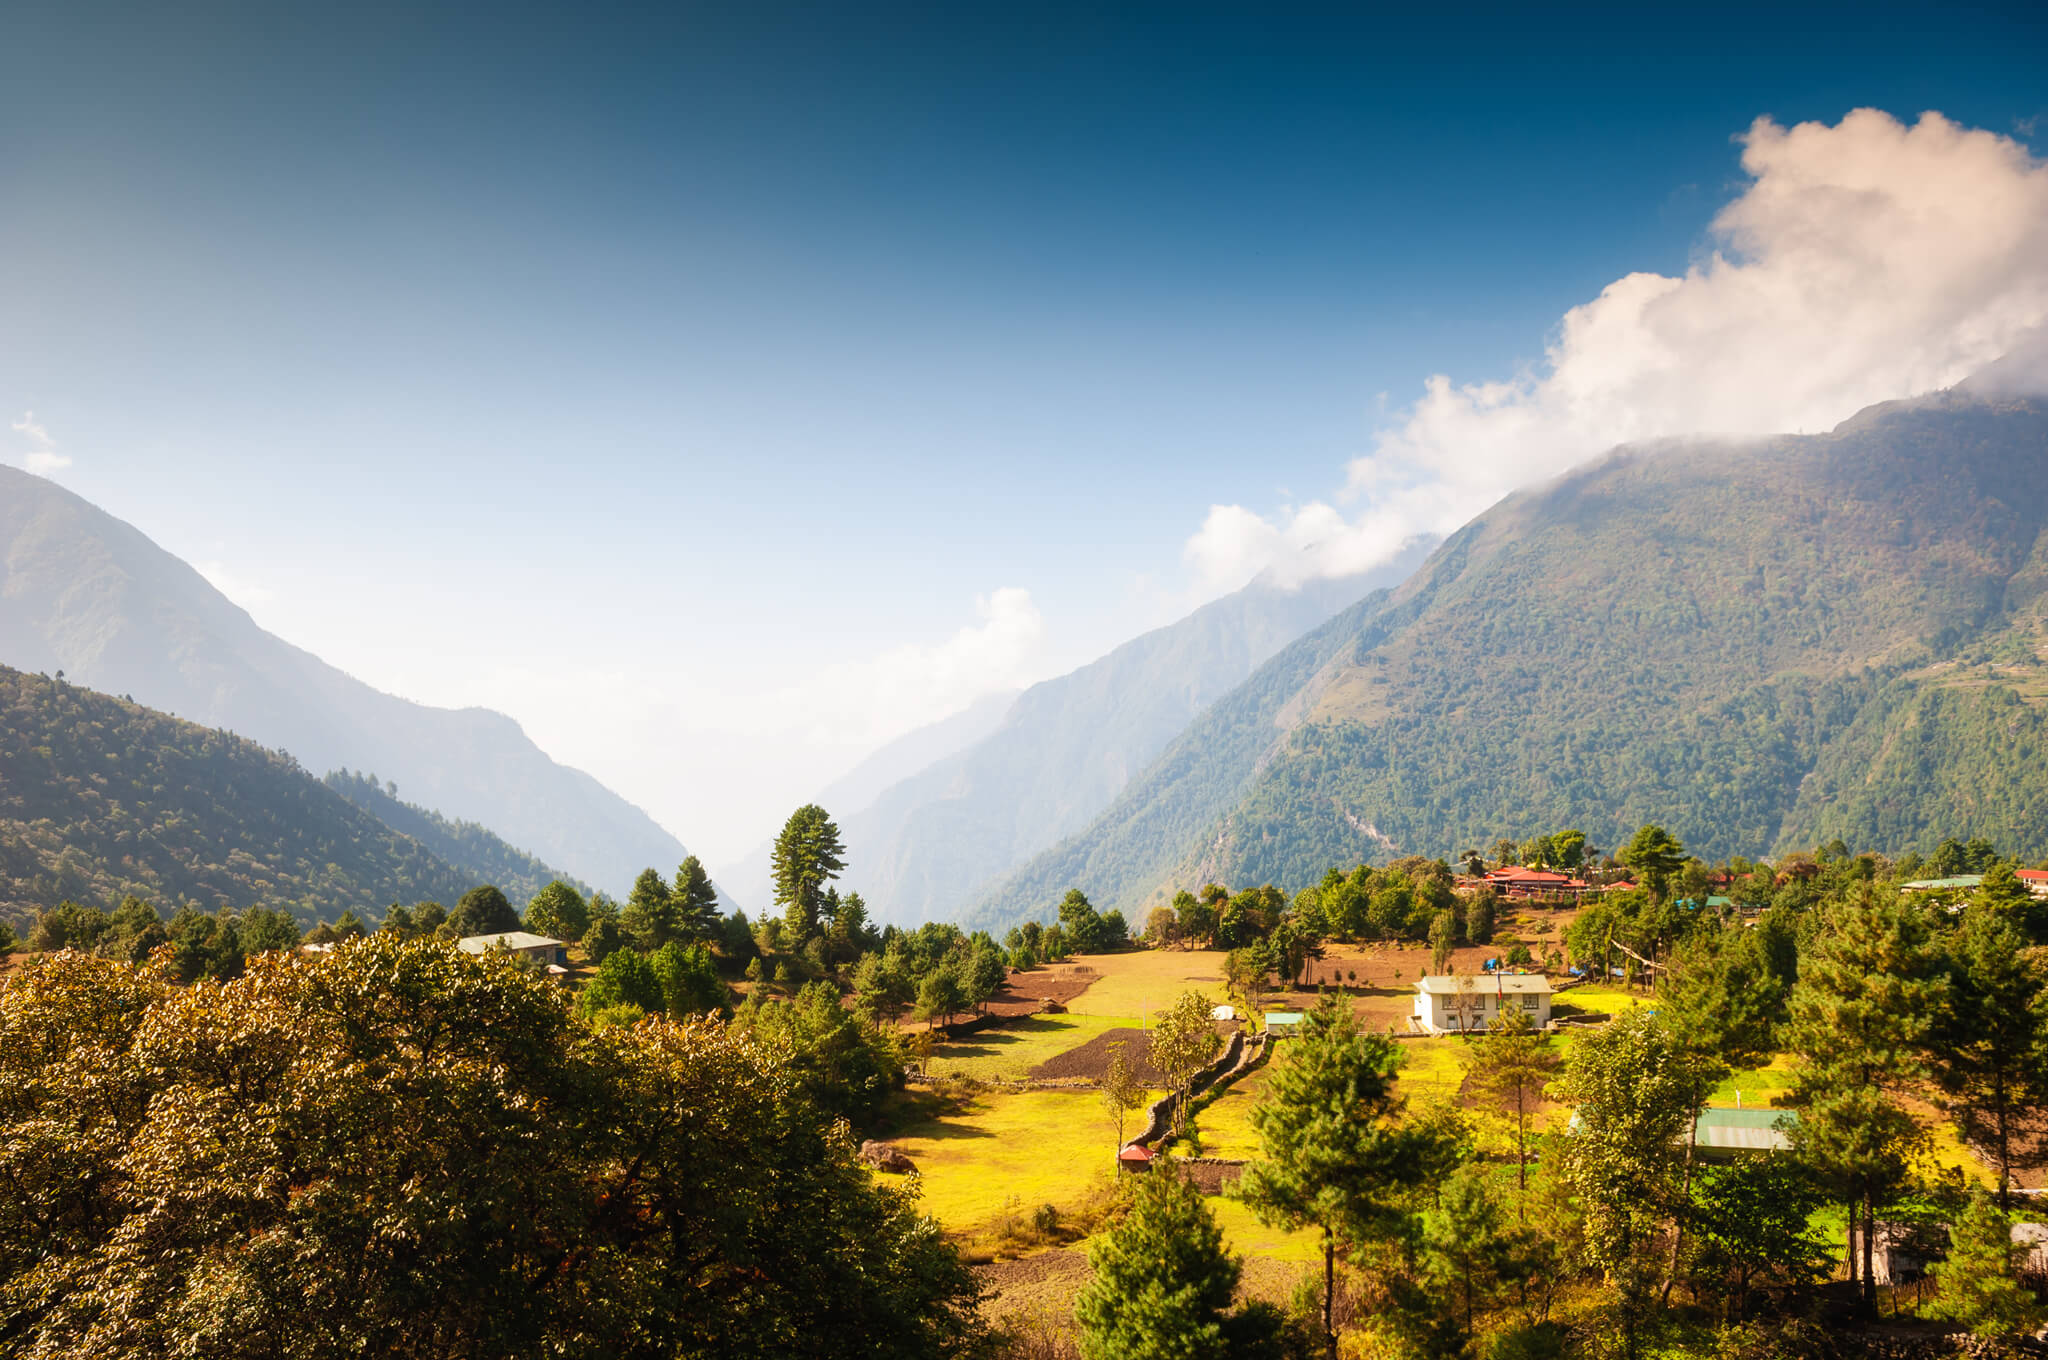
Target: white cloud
x: 1865, y: 261
x: 883, y: 696
x: 42, y: 457
x: 722, y: 757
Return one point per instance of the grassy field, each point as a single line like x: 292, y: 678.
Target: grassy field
x: 1224, y: 1124
x: 1596, y: 999
x: 1134, y: 986
x: 1761, y: 1087
x: 1036, y: 1147
x: 1010, y: 1052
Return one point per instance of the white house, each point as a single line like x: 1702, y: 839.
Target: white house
x: 1468, y: 1003
x: 523, y: 943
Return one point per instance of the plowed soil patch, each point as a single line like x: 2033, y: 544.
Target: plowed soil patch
x: 1091, y: 1060
x: 1027, y: 993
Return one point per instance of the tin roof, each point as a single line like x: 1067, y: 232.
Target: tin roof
x: 509, y: 939
x: 1488, y: 984
x: 1748, y: 1130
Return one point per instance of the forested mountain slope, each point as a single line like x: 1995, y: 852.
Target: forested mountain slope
x: 928, y: 845
x: 478, y: 853
x: 100, y: 797
x: 85, y: 593
x: 1759, y: 644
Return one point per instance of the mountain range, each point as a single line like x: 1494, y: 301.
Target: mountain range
x: 101, y: 797
x: 1763, y: 645
x: 1022, y: 773
x: 86, y: 594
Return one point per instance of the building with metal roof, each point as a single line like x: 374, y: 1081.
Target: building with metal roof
x: 1467, y: 1003
x: 524, y: 943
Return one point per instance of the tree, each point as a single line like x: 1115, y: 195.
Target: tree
x: 483, y: 911
x: 1569, y: 848
x: 880, y: 988
x: 1752, y: 1220
x: 1511, y: 1066
x: 1082, y: 924
x: 808, y: 855
x: 1443, y: 938
x: 625, y: 978
x: 435, y: 1130
x: 1244, y: 977
x: 559, y: 911
x: 1655, y: 855
x: 649, y: 917
x: 1122, y: 1091
x: 1163, y: 1283
x: 1481, y: 909
x: 690, y: 985
x: 1162, y: 927
x: 1990, y: 1045
x: 1467, y: 1247
x: 1184, y: 1041
x: 1635, y: 1100
x: 1334, y: 1157
x: 1975, y: 1285
x: 1869, y: 990
x: 693, y: 901
x: 939, y: 997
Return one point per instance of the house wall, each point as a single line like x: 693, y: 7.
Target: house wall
x: 1439, y: 1014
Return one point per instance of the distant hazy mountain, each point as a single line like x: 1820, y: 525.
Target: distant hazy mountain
x: 1762, y: 645
x: 100, y: 797
x: 856, y: 791
x: 85, y: 593
x: 476, y: 852
x: 914, y: 752
x: 930, y: 843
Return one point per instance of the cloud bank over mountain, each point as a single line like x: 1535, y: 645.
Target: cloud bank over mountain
x: 1866, y: 260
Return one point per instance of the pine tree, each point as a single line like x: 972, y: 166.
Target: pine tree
x: 1334, y: 1158
x: 693, y: 902
x: 1975, y: 1285
x: 1991, y: 1043
x: 1512, y: 1065
x: 808, y: 855
x: 1163, y: 1282
x: 1868, y: 992
x: 647, y: 917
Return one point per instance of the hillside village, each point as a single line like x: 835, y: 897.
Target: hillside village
x: 1861, y: 1042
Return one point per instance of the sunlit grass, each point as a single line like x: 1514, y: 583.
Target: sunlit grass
x: 1244, y: 1234
x: 1760, y: 1087
x: 1036, y: 1147
x: 1136, y: 985
x: 1434, y: 1069
x: 1225, y: 1123
x: 1597, y: 999
x: 1009, y: 1051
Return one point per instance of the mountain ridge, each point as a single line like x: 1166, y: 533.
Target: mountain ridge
x: 1066, y: 745
x: 1686, y: 632
x: 101, y: 797
x: 86, y: 593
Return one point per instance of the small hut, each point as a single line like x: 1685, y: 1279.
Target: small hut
x: 1134, y: 1158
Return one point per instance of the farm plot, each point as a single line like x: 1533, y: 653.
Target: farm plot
x: 1011, y: 1051
x: 978, y: 1154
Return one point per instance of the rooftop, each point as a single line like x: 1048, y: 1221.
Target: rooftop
x: 1486, y: 984
x: 1751, y: 1130
x: 509, y: 939
x: 1958, y: 881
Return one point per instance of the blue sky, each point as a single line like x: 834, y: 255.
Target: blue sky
x: 654, y: 361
